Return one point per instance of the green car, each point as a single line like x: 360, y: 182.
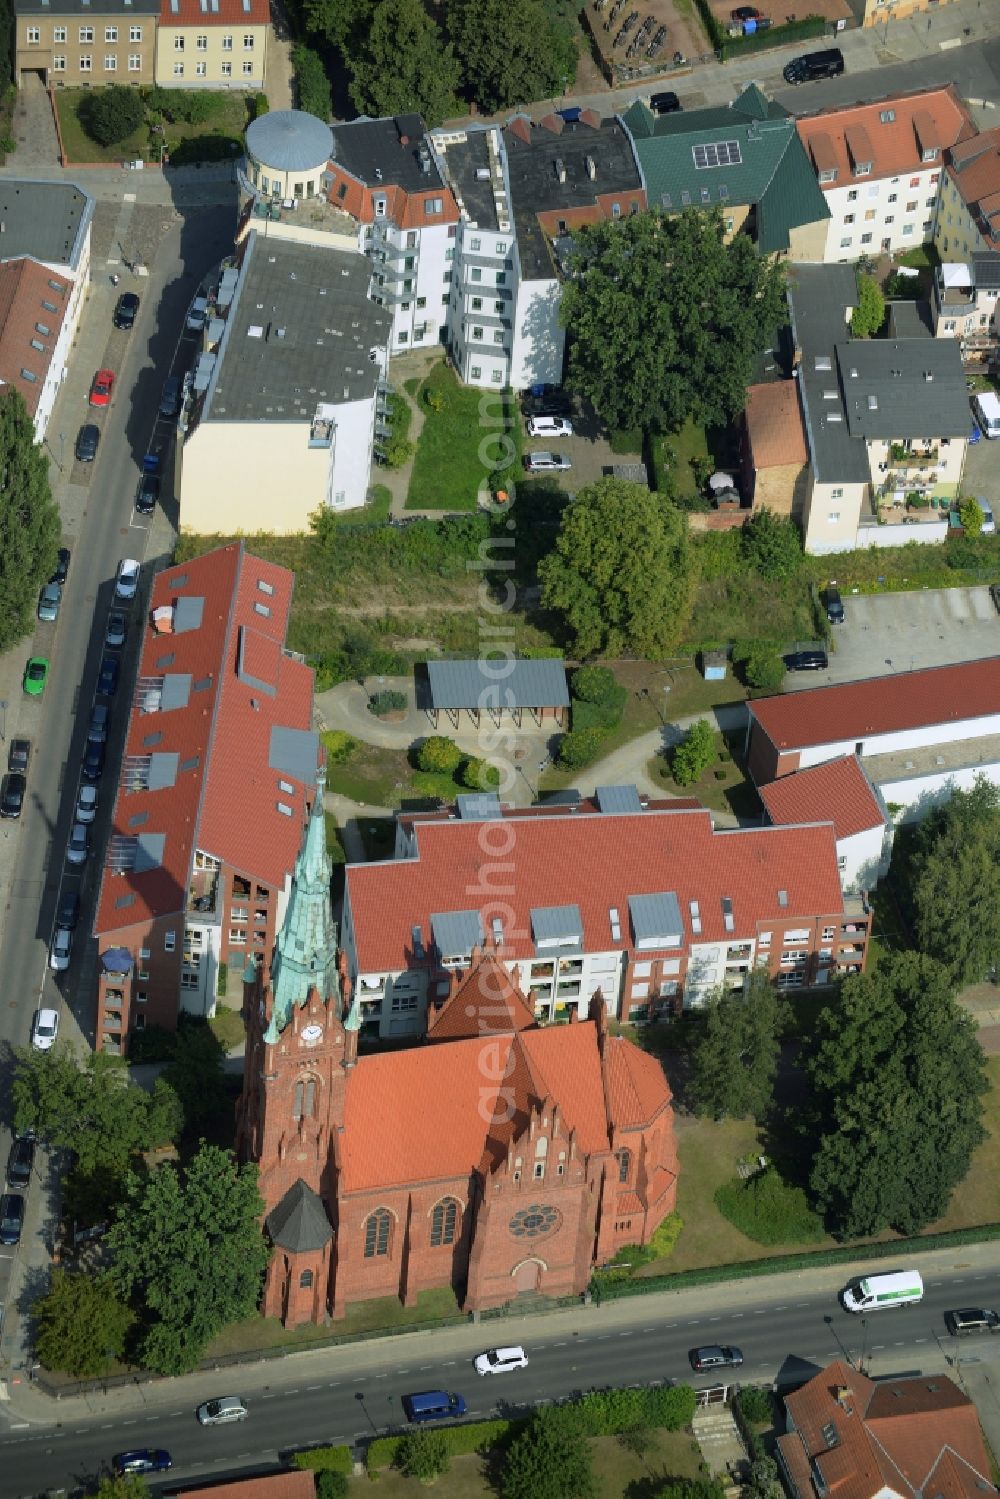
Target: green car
x: 36, y: 674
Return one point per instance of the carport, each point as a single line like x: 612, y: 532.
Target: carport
x: 502, y: 689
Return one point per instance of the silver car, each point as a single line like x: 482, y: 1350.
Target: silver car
x: 48, y: 602
x: 546, y: 463
x: 61, y: 950
x: 78, y: 848
x: 86, y: 804
x: 221, y: 1412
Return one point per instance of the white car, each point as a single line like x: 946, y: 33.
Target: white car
x: 78, y: 847
x: 61, y: 950
x: 546, y: 463
x: 86, y: 804
x: 550, y: 426
x: 197, y: 313
x: 44, y: 1029
x: 500, y: 1360
x: 221, y: 1412
x: 127, y: 580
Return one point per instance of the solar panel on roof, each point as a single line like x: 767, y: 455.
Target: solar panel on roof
x: 717, y: 154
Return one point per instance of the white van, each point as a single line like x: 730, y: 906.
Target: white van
x: 987, y: 409
x: 873, y: 1293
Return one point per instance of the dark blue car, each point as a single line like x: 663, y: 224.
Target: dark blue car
x: 142, y: 1460
x: 107, y: 677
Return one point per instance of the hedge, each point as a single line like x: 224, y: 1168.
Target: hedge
x: 729, y: 48
x: 325, y: 1460
x: 475, y: 1436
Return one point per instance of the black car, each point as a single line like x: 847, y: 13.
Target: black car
x: 19, y: 754
x: 972, y: 1319
x: 107, y: 677
x: 12, y: 794
x: 11, y: 1217
x: 19, y: 1162
x: 834, y: 606
x: 807, y: 661
x: 715, y: 1356
x: 93, y: 760
x: 547, y: 400
x: 666, y: 103
x: 147, y: 494
x: 87, y: 439
x: 69, y: 909
x: 62, y: 566
x: 128, y: 306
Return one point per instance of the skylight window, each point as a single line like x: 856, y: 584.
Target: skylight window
x: 717, y: 154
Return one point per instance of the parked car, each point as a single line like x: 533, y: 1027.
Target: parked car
x: 501, y: 1360
x: 78, y: 847
x: 197, y: 313
x: 827, y: 63
x: 995, y: 596
x: 220, y: 1412
x: 86, y: 803
x: 107, y: 677
x: 115, y: 630
x: 48, y: 602
x: 807, y: 661
x: 972, y: 1319
x: 93, y: 760
x: 142, y: 1460
x: 974, y: 434
x: 834, y: 606
x: 69, y: 908
x: 62, y: 566
x: 36, y: 674
x: 12, y: 789
x: 100, y: 718
x: 147, y: 494
x: 11, y: 1217
x: 989, y: 526
x: 127, y: 579
x: 746, y: 13
x: 550, y: 426
x: 61, y: 949
x: 101, y: 387
x: 546, y: 463
x: 715, y: 1356
x: 170, y: 400
x: 126, y: 310
x: 666, y: 103
x: 44, y: 1029
x: 547, y: 400
x: 87, y: 440
x: 20, y: 1161
x: 18, y: 755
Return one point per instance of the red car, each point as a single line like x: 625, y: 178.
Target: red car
x: 100, y: 391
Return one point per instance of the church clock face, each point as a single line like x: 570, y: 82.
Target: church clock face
x: 312, y: 1033
x: 530, y: 1222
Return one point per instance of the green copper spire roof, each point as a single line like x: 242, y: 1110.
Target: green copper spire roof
x: 306, y: 950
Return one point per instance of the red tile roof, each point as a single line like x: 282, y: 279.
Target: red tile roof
x: 634, y: 1082
x: 594, y: 861
x: 290, y: 1485
x: 774, y: 425
x: 844, y: 138
x: 24, y: 286
x: 225, y: 794
x: 837, y: 791
x: 215, y: 13
x: 974, y: 168
x: 849, y: 711
x: 484, y: 1002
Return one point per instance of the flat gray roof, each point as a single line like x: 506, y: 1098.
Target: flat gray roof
x: 904, y: 388
x: 818, y: 299
x: 462, y: 159
x: 456, y: 933
x: 656, y: 920
x: 46, y: 220
x: 295, y: 752
x: 556, y: 924
x: 300, y: 334
x: 498, y: 685
x: 389, y: 151
x: 618, y: 799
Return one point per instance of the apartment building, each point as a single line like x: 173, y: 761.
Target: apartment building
x: 44, y: 271
x: 968, y: 217
x: 643, y: 900
x: 75, y: 44
x: 840, y: 792
x: 217, y: 781
x: 879, y: 167
x: 964, y: 300
x: 212, y: 43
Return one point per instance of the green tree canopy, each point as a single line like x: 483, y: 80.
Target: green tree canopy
x: 312, y: 87
x: 594, y: 684
x: 549, y: 1460
x: 694, y: 754
x: 194, y: 1073
x: 869, y: 315
x: 439, y: 754
x: 92, y: 1110
x: 511, y: 51
x: 342, y: 23
x: 187, y: 1248
x: 954, y: 883
x: 82, y: 1323
x: 734, y: 1053
x: 403, y: 64
x: 771, y: 544
x: 29, y: 521
x: 621, y: 572
x: 762, y: 666
x: 665, y: 319
x: 424, y: 1455
x: 896, y: 1077
x: 112, y: 113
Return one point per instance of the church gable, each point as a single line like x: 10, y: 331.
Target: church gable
x: 485, y: 1002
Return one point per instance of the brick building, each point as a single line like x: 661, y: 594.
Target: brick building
x: 500, y: 1158
x: 216, y: 785
x: 643, y: 900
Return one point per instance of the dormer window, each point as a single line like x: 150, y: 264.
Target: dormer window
x: 862, y: 168
x: 829, y: 174
x: 930, y: 154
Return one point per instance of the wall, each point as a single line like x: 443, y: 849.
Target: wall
x: 539, y: 341
x: 160, y: 987
x: 903, y: 739
x: 902, y: 210
x: 927, y: 532
x: 877, y: 12
x: 782, y: 489
x: 268, y: 178
x: 919, y: 794
x: 203, y: 56
x: 131, y: 48
x: 864, y: 859
x: 807, y: 242
x: 846, y: 502
x: 956, y: 234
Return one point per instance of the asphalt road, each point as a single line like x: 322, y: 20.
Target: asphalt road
x: 342, y: 1394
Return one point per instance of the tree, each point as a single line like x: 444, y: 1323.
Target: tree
x: 665, y: 319
x: 424, y: 1455
x: 194, y: 1072
x: 187, y: 1248
x: 439, y: 754
x: 112, y: 114
x: 580, y: 747
x: 970, y: 513
x: 480, y: 775
x: 343, y: 23
x: 29, y: 521
x: 763, y: 1482
x: 762, y: 666
x: 954, y: 883
x: 694, y: 754
x: 82, y: 1323
x: 129, y: 1487
x: 771, y: 545
x: 511, y: 51
x: 734, y: 1055
x: 692, y: 1488
x: 404, y: 65
x: 896, y: 1078
x: 595, y: 684
x: 869, y: 315
x: 331, y: 1485
x: 93, y: 1110
x: 312, y: 87
x: 548, y: 1461
x: 621, y: 572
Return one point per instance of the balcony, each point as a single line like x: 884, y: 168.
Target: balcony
x: 321, y: 432
x: 906, y: 457
x: 739, y: 952
x: 203, y: 895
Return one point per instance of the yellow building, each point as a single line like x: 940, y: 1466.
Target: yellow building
x: 68, y: 42
x: 968, y: 216
x: 212, y: 43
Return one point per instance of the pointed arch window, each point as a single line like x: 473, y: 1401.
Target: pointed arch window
x: 377, y: 1227
x: 304, y: 1100
x: 624, y: 1159
x: 444, y: 1222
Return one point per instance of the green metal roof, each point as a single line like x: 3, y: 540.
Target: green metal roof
x: 768, y: 168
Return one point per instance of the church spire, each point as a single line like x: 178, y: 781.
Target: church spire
x: 305, y: 954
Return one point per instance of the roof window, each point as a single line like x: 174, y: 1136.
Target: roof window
x: 717, y: 154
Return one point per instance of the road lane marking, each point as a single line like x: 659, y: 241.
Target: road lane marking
x: 314, y: 1386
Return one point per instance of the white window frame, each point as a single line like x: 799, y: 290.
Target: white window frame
x: 110, y: 62
x: 111, y: 33
x: 86, y: 62
x: 86, y: 34
x: 135, y: 33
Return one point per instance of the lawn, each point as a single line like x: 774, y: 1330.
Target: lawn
x: 223, y: 129
x: 376, y: 776
x: 78, y: 145
x: 448, y: 471
x: 723, y: 786
x: 363, y: 1316
x: 227, y: 1025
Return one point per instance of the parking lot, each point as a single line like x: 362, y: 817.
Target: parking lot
x: 982, y: 471
x: 905, y: 631
x: 588, y: 450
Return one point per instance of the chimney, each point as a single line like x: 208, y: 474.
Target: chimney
x: 591, y: 166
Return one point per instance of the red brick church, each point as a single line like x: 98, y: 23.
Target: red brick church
x: 498, y: 1157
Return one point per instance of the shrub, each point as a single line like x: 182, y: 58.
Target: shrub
x: 475, y: 1436
x: 339, y: 746
x: 763, y: 667
x: 694, y: 754
x: 869, y: 315
x: 332, y: 1486
x: 439, y: 754
x: 480, y: 775
x: 423, y: 1455
x: 434, y: 399
x: 594, y: 684
x: 397, y: 448
x: 756, y: 1404
x: 154, y: 1044
x: 325, y: 1460
x: 259, y: 105
x: 112, y: 114
x: 312, y: 87
x: 771, y: 545
x: 388, y: 701
x: 768, y: 1210
x: 970, y: 513
x: 580, y: 747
